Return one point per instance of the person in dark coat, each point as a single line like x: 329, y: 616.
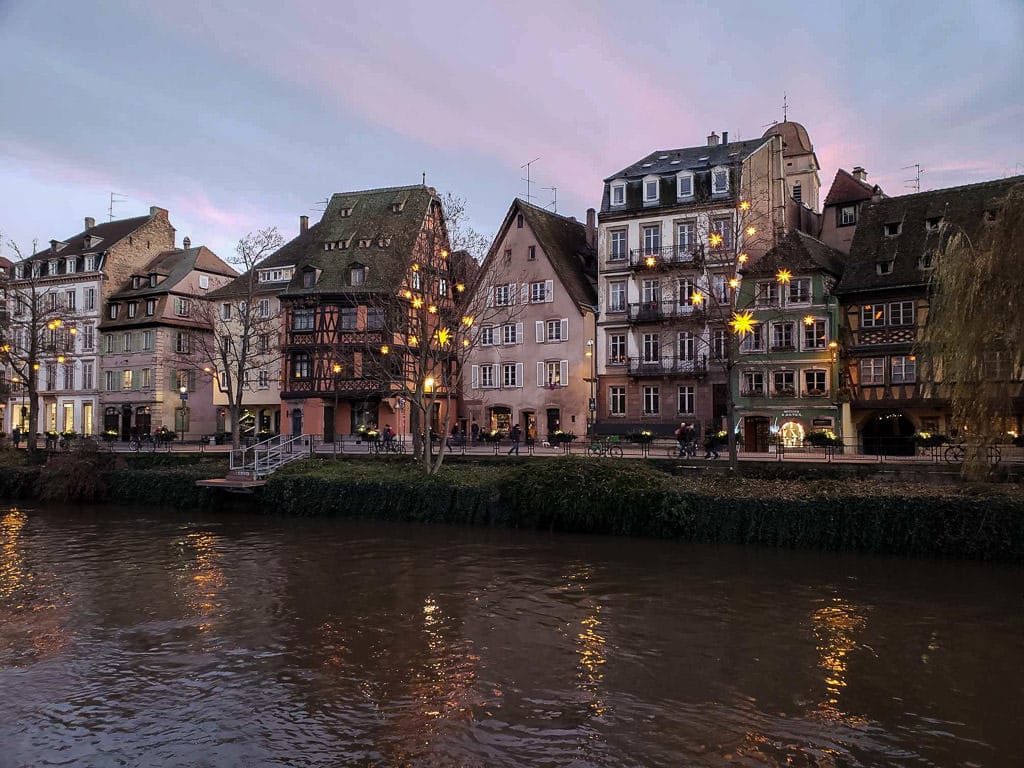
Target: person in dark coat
x: 515, y: 435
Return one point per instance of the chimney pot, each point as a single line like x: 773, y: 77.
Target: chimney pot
x: 713, y: 139
x: 90, y: 222
x: 186, y: 243
x: 303, y: 224
x: 591, y: 227
x: 725, y: 137
x: 155, y: 210
x: 860, y: 174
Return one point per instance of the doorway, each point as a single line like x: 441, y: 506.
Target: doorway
x: 888, y: 434
x: 328, y: 423
x: 554, y: 418
x: 755, y: 434
x: 296, y: 422
x: 529, y: 426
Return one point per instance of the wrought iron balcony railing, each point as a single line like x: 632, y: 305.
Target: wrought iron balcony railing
x: 668, y: 366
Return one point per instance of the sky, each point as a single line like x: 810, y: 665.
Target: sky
x: 239, y: 115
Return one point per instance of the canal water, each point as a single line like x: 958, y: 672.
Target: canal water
x: 137, y: 638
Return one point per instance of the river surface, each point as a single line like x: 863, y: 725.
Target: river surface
x: 136, y: 638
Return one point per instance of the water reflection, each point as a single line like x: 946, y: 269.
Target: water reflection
x: 202, y: 575
x: 14, y: 577
x: 836, y: 628
x: 590, y: 644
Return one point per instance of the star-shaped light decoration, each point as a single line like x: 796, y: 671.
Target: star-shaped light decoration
x: 432, y: 309
x: 742, y: 258
x: 783, y: 276
x: 444, y: 337
x: 697, y: 298
x: 417, y: 302
x: 742, y: 323
x: 734, y: 283
x: 808, y: 320
x: 715, y: 239
x: 751, y: 231
x: 467, y: 320
x: 745, y: 205
x: 650, y: 261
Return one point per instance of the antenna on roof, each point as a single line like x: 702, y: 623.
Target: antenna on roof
x: 916, y: 181
x: 785, y: 107
x: 423, y: 179
x: 113, y: 199
x: 319, y: 203
x: 554, y: 203
x: 527, y: 179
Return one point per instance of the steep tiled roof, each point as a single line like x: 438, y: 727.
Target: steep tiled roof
x: 958, y: 209
x: 688, y: 159
x: 376, y: 228
x: 175, y: 266
x: 101, y: 237
x: 798, y: 252
x: 564, y: 240
x: 847, y: 188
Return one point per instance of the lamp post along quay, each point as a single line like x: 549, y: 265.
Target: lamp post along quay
x: 183, y: 392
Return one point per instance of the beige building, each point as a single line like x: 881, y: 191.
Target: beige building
x: 534, y: 363
x: 847, y: 195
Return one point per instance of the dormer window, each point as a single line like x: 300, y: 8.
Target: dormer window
x: 651, y: 184
x: 90, y: 263
x: 69, y: 265
x: 933, y: 224
x: 357, y: 275
x: 684, y: 185
x: 309, y: 278
x: 884, y: 267
x: 383, y: 242
x: 136, y: 281
x: 618, y: 193
x: 54, y: 264
x: 846, y: 215
x: 133, y: 307
x: 892, y: 229
x: 719, y: 181
x: 112, y: 311
x: 275, y: 274
x: 152, y: 280
x: 926, y: 261
x: 345, y: 212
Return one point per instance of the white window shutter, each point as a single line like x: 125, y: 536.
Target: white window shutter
x: 519, y: 333
x: 474, y: 376
x: 540, y: 331
x: 549, y: 290
x: 540, y: 374
x: 511, y: 293
x: 563, y: 372
x: 524, y: 294
x: 565, y: 329
x: 519, y: 374
x: 490, y: 297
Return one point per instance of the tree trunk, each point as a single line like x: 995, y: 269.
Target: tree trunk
x: 236, y: 440
x: 33, y: 419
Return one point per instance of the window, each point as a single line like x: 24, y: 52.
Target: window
x: 263, y: 343
x: 150, y: 307
x: 309, y: 278
x: 815, y: 335
x: 88, y: 337
x: 815, y: 383
x: 753, y: 341
x: 892, y: 228
x: 617, y: 296
x: 69, y: 376
x: 182, y: 342
x: 127, y: 342
x: 357, y: 275
x: 720, y: 344
x: 442, y: 287
x: 617, y: 349
x: 487, y: 376
x: 617, y: 245
x: 798, y: 192
x: 109, y: 342
x: 531, y: 253
x: 275, y: 275
x: 685, y: 238
x: 933, y: 224
x: 616, y: 401
x: 552, y: 373
x: 993, y: 365
x: 509, y: 334
x: 651, y: 348
x: 182, y: 307
x: 872, y: 315
x: 650, y: 291
x: 87, y: 373
x: 903, y: 369
x: 302, y: 320
x: 153, y: 280
x: 721, y: 233
x: 800, y: 290
x: 846, y: 215
x: 262, y: 379
x: 301, y: 365
x: 519, y: 221
x: 753, y: 384
x: 685, y: 400
x: 872, y: 371
x: 126, y: 379
x: 147, y: 341
x: 487, y: 336
x: 926, y: 260
x: 502, y: 295
x: 652, y: 239
x: 618, y: 194
x: 557, y: 330
x: 782, y: 335
x: 784, y: 383
x: 684, y: 185
x: 509, y: 375
x: 348, y: 318
x: 685, y: 346
x: 112, y: 311
x: 901, y: 313
x: 69, y: 299
x: 652, y: 401
x: 884, y: 267
x: 650, y: 190
x: 719, y: 181
x: 685, y: 291
x: 133, y: 308
x: 537, y: 293
x: 110, y: 380
x: 225, y: 311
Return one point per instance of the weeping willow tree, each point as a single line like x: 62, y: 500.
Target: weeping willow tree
x: 974, y: 338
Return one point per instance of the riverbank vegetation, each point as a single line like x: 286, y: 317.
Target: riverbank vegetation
x: 573, y: 494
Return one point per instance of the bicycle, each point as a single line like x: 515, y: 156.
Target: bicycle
x: 388, y: 446
x: 604, y: 449
x: 954, y: 454
x: 135, y: 444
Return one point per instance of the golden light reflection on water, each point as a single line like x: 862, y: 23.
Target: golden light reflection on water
x: 203, y: 575
x: 14, y: 576
x: 590, y: 644
x: 836, y: 627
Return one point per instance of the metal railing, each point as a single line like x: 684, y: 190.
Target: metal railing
x: 639, y: 366
x: 266, y: 457
x: 666, y: 256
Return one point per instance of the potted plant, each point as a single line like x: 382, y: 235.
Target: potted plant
x: 823, y: 438
x: 109, y: 435
x: 930, y: 439
x: 643, y: 437
x: 558, y: 437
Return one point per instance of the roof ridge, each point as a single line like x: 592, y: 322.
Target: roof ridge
x: 567, y: 219
x: 384, y: 189
x: 973, y: 185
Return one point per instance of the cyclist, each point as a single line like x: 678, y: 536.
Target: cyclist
x: 389, y: 437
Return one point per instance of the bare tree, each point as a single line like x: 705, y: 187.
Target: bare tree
x: 245, y: 323
x: 972, y: 342
x: 461, y: 236
x: 36, y: 333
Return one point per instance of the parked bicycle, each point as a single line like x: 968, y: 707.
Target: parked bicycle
x: 388, y: 446
x: 954, y: 454
x: 604, y: 449
x: 137, y: 442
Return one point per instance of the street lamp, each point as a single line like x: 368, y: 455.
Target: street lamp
x: 592, y: 404
x: 336, y: 368
x: 183, y: 393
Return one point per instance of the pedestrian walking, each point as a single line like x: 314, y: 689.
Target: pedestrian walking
x: 515, y: 436
x: 475, y: 432
x: 16, y: 436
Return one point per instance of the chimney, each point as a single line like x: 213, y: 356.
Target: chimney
x: 90, y: 222
x: 186, y: 243
x: 591, y: 227
x: 155, y: 210
x: 860, y: 174
x: 725, y: 137
x: 713, y: 139
x: 303, y: 224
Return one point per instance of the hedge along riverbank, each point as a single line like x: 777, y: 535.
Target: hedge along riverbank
x: 631, y: 498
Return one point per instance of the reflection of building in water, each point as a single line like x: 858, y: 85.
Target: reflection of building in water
x: 836, y: 627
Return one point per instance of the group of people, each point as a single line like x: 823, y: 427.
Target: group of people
x: 686, y: 436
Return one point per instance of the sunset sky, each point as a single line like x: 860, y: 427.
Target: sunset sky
x: 240, y: 115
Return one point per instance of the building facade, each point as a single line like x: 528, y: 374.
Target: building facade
x: 847, y: 195
x: 533, y: 364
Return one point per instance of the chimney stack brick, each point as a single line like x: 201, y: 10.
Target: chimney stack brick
x: 303, y: 224
x: 713, y: 139
x: 591, y: 227
x: 90, y: 222
x: 860, y: 174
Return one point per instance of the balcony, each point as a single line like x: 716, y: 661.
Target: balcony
x: 668, y: 366
x: 671, y: 255
x: 654, y: 311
